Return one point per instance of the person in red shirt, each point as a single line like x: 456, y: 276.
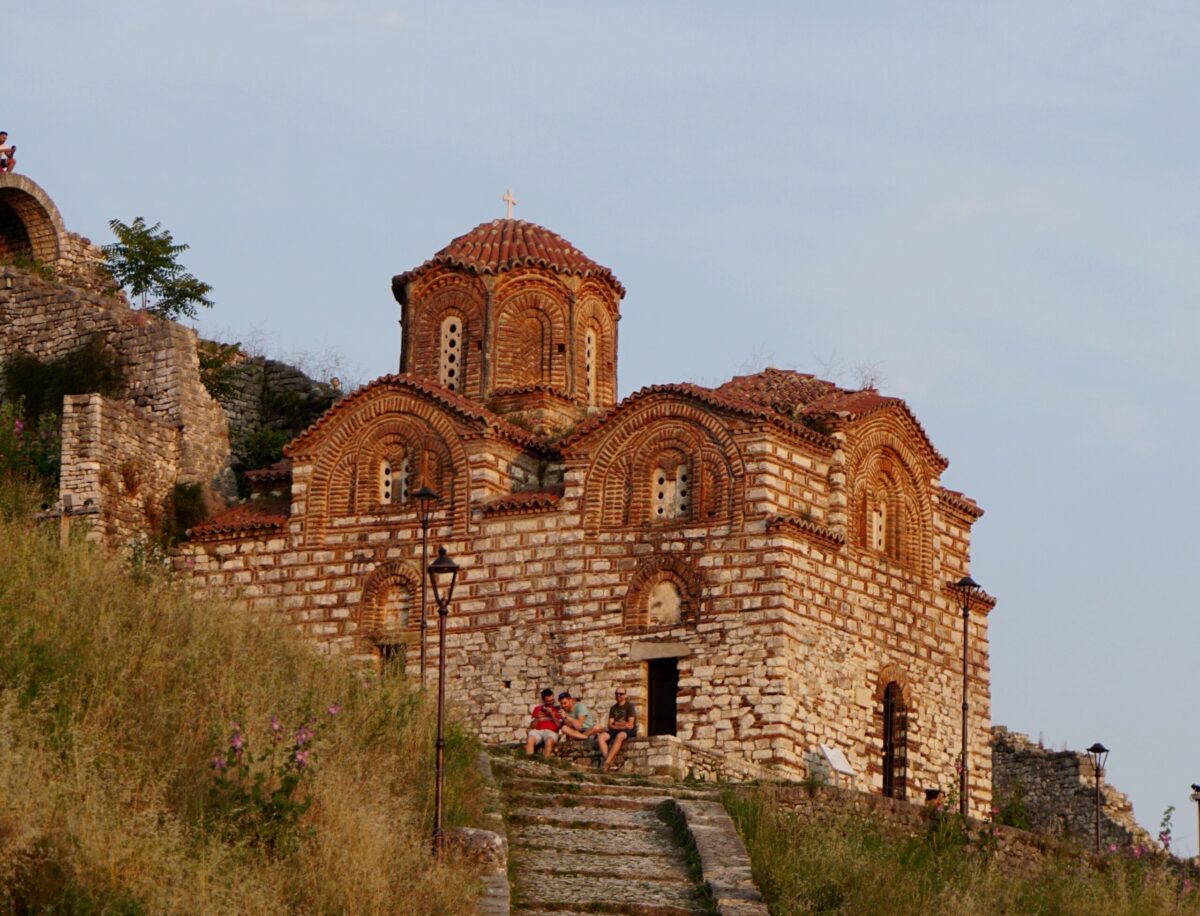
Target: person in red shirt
x: 545, y: 721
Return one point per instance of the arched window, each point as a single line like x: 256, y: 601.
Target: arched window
x: 895, y: 741
x: 450, y: 359
x: 879, y: 513
x: 670, y: 492
x: 664, y: 606
x: 393, y: 481
x: 589, y: 365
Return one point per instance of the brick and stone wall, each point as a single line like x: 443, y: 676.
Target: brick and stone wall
x: 1057, y: 789
x: 267, y: 394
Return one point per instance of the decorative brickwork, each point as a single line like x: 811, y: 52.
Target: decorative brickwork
x: 794, y: 584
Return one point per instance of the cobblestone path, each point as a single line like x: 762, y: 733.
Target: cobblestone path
x: 582, y: 843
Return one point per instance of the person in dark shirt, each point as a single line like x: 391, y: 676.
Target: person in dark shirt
x: 622, y: 724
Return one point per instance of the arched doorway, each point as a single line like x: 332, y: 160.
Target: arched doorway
x: 895, y: 741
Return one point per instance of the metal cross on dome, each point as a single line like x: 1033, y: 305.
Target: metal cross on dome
x: 510, y: 200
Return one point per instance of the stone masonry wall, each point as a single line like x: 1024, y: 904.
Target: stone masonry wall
x: 1059, y: 794
x: 262, y: 388
x: 793, y: 639
x: 121, y: 458
x: 49, y: 319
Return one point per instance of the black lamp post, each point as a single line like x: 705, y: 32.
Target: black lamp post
x: 1099, y: 755
x: 443, y: 573
x: 968, y: 588
x: 1196, y: 799
x: 425, y: 499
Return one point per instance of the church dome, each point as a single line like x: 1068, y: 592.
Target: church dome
x: 504, y: 244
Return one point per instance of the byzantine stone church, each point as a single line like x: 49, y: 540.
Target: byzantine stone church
x: 765, y: 564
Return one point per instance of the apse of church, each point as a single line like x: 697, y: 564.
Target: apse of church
x: 764, y: 563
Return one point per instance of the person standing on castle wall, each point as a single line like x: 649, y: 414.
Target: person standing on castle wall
x: 622, y: 724
x: 546, y: 719
x: 577, y: 718
x: 8, y: 154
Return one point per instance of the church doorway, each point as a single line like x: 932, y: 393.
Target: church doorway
x: 895, y: 742
x: 662, y: 680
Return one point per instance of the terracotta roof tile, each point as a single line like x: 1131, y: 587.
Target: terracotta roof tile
x: 820, y: 532
x: 527, y: 501
x: 502, y: 244
x: 256, y: 517
x: 713, y: 398
x: 783, y: 390
x: 279, y: 472
x: 463, y: 406
x: 961, y: 502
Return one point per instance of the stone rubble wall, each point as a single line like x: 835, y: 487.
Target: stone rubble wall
x: 259, y: 381
x: 48, y: 319
x: 1059, y: 792
x: 122, y: 459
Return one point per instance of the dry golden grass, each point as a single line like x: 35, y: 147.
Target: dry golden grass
x: 115, y: 694
x: 849, y: 864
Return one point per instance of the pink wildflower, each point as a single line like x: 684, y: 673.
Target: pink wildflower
x: 18, y: 427
x: 219, y: 763
x: 236, y: 740
x: 1137, y: 851
x: 303, y: 736
x: 276, y: 726
x: 301, y: 759
x: 334, y: 708
x: 1112, y: 847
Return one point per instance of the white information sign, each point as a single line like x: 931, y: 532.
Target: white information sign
x: 837, y: 760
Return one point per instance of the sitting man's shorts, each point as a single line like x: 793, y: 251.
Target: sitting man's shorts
x: 627, y: 732
x: 541, y: 736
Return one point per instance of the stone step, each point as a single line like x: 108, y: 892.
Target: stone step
x: 663, y: 865
x: 587, y: 787
x: 585, y: 817
x: 536, y: 894
x: 632, y: 841
x: 573, y: 800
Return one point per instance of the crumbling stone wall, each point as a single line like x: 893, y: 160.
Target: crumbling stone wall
x: 1058, y: 790
x: 268, y: 394
x: 121, y: 458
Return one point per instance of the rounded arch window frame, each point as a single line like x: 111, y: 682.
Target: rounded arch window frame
x: 687, y: 579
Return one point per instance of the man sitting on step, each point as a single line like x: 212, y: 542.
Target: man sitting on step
x: 577, y: 718
x: 544, y: 724
x: 622, y: 724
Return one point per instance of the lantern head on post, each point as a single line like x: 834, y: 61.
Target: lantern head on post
x: 443, y: 573
x: 426, y: 499
x: 1099, y: 755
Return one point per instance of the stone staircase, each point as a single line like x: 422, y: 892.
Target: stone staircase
x: 588, y: 843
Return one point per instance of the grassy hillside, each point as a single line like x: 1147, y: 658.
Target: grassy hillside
x: 849, y: 864
x: 162, y: 754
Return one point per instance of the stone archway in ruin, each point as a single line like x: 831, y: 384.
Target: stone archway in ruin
x: 30, y: 224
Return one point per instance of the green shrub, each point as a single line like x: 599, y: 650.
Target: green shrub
x: 93, y: 367
x: 186, y: 508
x: 217, y: 369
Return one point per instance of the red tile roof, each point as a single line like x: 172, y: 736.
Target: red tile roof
x: 464, y: 406
x: 961, y: 502
x: 502, y: 244
x: 527, y: 501
x: 257, y: 517
x: 278, y: 473
x: 708, y: 396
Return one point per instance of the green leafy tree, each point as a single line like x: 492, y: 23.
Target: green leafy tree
x: 145, y: 261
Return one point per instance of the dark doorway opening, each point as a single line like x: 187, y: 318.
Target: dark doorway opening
x: 895, y: 742
x: 662, y: 677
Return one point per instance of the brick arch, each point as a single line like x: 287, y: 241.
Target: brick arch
x: 622, y: 464
x: 30, y: 224
x: 682, y: 573
x: 457, y: 295
x: 591, y: 314
x: 376, y: 591
x: 373, y: 418
x: 531, y: 336
x: 883, y: 466
x: 892, y: 673
x: 894, y: 745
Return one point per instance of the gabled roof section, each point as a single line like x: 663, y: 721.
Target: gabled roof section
x: 257, y: 518
x: 503, y: 244
x: 706, y: 396
x: 273, y: 475
x: 805, y: 397
x: 449, y: 400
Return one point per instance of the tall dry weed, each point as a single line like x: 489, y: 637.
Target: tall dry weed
x: 117, y: 691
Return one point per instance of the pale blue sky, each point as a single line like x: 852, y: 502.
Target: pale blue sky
x: 995, y: 205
